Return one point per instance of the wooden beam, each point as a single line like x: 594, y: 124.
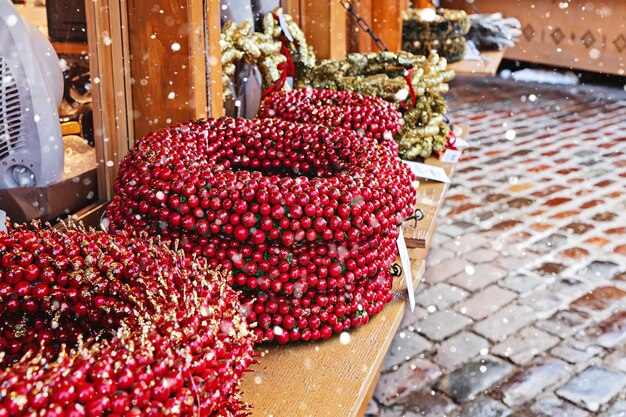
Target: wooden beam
x: 110, y: 74
x: 162, y: 64
x: 292, y: 7
x: 422, y: 4
x: 213, y: 58
x: 324, y: 24
x: 358, y: 39
x: 387, y: 21
x: 152, y: 64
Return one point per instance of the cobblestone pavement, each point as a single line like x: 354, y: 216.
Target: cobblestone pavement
x: 522, y: 311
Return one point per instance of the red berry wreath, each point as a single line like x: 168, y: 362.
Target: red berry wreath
x: 296, y: 211
x: 92, y: 325
x: 371, y: 116
x: 206, y: 177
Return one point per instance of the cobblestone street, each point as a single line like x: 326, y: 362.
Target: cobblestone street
x: 522, y: 311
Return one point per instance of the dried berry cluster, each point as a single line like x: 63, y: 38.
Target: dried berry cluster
x: 304, y: 215
x: 371, y: 116
x: 92, y: 325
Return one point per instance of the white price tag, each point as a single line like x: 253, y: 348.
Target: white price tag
x: 450, y: 156
x: 429, y: 172
x: 284, y: 27
x: 461, y: 143
x: 406, y: 267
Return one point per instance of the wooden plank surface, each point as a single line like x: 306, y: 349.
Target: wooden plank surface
x: 418, y: 234
x: 70, y: 48
x: 486, y: 68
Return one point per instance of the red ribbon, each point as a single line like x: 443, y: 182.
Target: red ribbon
x: 451, y: 141
x: 287, y: 69
x: 409, y: 83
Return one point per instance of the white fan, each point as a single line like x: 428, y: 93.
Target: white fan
x: 31, y: 89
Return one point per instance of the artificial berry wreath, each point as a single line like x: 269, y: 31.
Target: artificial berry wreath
x: 241, y: 43
x: 296, y: 211
x: 93, y: 324
x: 208, y: 177
x: 371, y: 116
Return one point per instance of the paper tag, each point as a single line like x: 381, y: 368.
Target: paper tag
x: 471, y: 52
x: 461, y: 143
x: 429, y: 172
x: 406, y: 267
x: 450, y: 156
x: 283, y: 26
x: 3, y: 221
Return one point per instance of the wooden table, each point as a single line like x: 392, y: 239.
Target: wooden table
x: 486, y: 68
x: 331, y: 378
x: 418, y: 234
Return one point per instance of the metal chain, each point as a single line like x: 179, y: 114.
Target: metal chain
x: 362, y: 24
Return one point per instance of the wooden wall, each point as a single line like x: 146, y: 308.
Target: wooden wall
x: 586, y: 35
x: 170, y: 63
x: 333, y: 33
x: 153, y: 63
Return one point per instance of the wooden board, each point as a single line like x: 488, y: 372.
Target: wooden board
x: 387, y: 22
x: 418, y: 234
x: 331, y: 378
x: 486, y: 68
x: 70, y: 48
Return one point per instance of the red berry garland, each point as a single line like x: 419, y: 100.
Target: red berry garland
x: 281, y: 270
x: 92, y: 324
x: 205, y: 177
x: 372, y: 116
x: 226, y: 190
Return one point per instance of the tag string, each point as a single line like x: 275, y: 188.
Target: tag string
x: 451, y: 141
x: 409, y: 83
x: 287, y: 68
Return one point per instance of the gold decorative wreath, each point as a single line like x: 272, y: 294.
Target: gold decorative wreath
x: 240, y: 42
x: 301, y: 53
x: 382, y: 74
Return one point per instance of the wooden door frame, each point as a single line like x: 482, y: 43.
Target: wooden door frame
x: 114, y: 53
